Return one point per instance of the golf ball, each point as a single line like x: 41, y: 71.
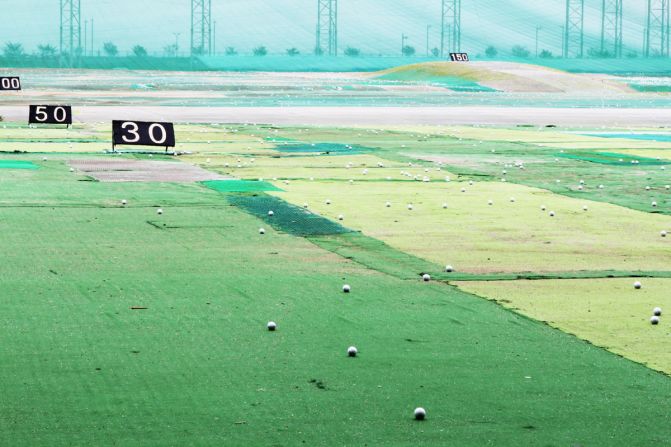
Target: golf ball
x: 328, y: 201
x: 346, y: 288
x: 272, y: 326
x: 449, y: 268
x: 426, y: 277
x: 341, y: 217
x: 654, y: 319
x: 654, y: 204
x: 657, y: 311
x: 262, y: 231
x: 352, y: 351
x: 444, y: 205
x: 552, y: 214
x: 584, y: 208
x: 159, y: 211
x: 410, y: 207
x: 271, y: 213
x: 388, y: 204
x: 543, y: 208
x: 490, y: 202
x: 637, y: 285
x: 663, y: 233
x: 124, y: 202
x: 420, y: 413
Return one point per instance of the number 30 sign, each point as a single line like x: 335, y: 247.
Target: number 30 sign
x: 141, y: 133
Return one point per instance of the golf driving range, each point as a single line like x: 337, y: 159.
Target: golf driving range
x: 198, y: 299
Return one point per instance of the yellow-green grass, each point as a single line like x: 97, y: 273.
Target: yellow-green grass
x: 504, y: 237
x: 316, y: 167
x: 538, y: 136
x: 607, y: 312
x: 649, y: 153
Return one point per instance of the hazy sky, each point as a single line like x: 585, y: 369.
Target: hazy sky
x: 375, y: 26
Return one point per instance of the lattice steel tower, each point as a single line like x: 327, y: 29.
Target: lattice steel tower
x: 327, y: 27
x: 201, y: 27
x: 574, y: 36
x: 657, y: 29
x: 611, y: 28
x: 71, y: 32
x: 450, y: 28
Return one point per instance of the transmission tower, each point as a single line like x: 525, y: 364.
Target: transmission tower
x: 574, y: 37
x: 657, y: 30
x: 450, y: 30
x: 201, y: 27
x: 611, y: 28
x: 327, y: 27
x: 71, y: 32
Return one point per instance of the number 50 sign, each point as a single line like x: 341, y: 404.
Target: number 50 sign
x: 141, y: 133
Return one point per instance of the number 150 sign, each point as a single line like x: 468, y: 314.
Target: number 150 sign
x: 141, y: 133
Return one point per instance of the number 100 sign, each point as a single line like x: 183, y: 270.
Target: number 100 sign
x: 141, y: 133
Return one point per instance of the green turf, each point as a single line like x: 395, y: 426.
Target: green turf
x: 240, y: 186
x: 197, y: 367
x: 17, y: 164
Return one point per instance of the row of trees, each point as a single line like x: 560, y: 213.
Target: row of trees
x: 15, y: 50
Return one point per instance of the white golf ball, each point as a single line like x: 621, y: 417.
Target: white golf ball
x: 272, y: 326
x: 449, y: 268
x: 552, y: 214
x: 654, y: 320
x: 637, y: 285
x: 444, y: 205
x: 654, y: 204
x: 262, y: 231
x: 601, y: 186
x: 512, y: 200
x: 420, y: 414
x: 490, y: 202
x: 72, y: 169
x: 463, y: 189
x: 663, y: 233
x: 328, y: 201
x: 124, y: 202
x: 657, y: 311
x: 647, y: 188
x: 352, y: 351
x: 410, y: 207
x: 543, y: 208
x: 388, y: 204
x: 271, y: 213
x: 44, y: 158
x: 305, y: 205
x: 159, y: 211
x: 426, y: 277
x: 584, y: 208
x: 346, y: 288
x: 341, y: 217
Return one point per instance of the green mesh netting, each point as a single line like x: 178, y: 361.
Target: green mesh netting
x: 239, y: 185
x: 286, y: 217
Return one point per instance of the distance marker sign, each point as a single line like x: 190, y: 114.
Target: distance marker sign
x: 141, y: 133
x: 10, y: 83
x: 50, y: 115
x: 459, y: 57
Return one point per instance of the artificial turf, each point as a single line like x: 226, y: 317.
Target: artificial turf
x: 123, y: 327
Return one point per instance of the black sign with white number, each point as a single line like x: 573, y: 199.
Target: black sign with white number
x: 459, y: 57
x: 140, y: 133
x: 50, y: 115
x: 10, y: 83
